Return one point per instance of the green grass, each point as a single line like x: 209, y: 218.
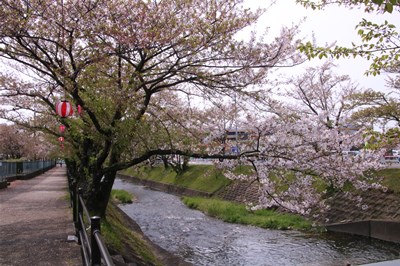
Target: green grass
x: 197, y: 177
x: 121, y: 196
x: 391, y: 178
x: 111, y: 236
x: 243, y: 170
x: 237, y: 213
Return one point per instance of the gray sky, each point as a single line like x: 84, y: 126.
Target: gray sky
x: 331, y: 24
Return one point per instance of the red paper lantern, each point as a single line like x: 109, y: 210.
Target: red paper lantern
x: 61, y: 139
x: 62, y: 128
x: 79, y: 108
x: 64, y: 109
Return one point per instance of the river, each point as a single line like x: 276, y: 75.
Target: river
x: 203, y: 240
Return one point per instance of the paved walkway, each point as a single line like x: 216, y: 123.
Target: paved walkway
x: 35, y: 221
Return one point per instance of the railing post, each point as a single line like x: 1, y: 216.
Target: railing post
x: 79, y: 213
x: 96, y: 256
x: 74, y: 201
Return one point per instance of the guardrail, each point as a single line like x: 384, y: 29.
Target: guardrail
x: 94, y: 251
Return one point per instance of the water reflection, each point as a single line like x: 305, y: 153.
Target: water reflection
x: 202, y: 240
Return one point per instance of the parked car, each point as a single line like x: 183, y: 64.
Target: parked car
x: 392, y: 158
x: 350, y: 153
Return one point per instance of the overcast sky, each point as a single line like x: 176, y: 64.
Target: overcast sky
x: 332, y: 24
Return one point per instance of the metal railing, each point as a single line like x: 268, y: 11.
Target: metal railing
x: 94, y: 251
x: 7, y: 170
x: 15, y: 169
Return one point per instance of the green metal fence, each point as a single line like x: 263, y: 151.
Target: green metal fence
x: 11, y: 170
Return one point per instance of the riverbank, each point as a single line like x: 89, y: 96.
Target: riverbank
x: 128, y: 244
x: 203, y: 240
x: 208, y: 189
x: 236, y: 213
x: 377, y: 205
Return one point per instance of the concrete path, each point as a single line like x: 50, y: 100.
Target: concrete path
x: 35, y: 221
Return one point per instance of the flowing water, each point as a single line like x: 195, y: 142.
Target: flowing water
x: 202, y: 240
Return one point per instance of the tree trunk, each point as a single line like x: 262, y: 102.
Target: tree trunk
x: 165, y: 161
x: 99, y: 196
x: 102, y: 185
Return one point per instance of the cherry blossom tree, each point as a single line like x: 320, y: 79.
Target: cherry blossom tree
x: 10, y: 143
x: 131, y: 66
x: 299, y: 163
x: 321, y: 93
x: 117, y: 60
x: 298, y: 156
x: 17, y: 142
x: 380, y: 43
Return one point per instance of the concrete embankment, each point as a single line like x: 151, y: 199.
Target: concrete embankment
x: 373, y: 205
x: 376, y: 216
x: 384, y: 230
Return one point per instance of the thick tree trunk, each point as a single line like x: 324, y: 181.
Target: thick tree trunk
x: 102, y: 186
x: 105, y: 193
x: 89, y: 174
x: 165, y: 161
x: 95, y: 199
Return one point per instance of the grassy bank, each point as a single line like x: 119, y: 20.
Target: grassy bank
x: 208, y: 179
x: 197, y: 177
x: 121, y: 196
x: 237, y: 213
x: 122, y: 239
x: 391, y: 178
